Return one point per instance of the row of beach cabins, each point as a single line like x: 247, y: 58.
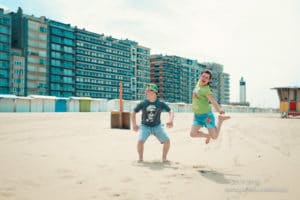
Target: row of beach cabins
x: 38, y: 103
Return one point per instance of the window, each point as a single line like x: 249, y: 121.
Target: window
x: 4, y: 38
x: 55, y: 62
x: 3, y: 30
x: 68, y: 41
x: 4, y: 56
x: 43, y: 29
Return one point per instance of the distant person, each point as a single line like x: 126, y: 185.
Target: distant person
x: 151, y: 123
x: 203, y: 116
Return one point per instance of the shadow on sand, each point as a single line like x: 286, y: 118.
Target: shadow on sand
x: 157, y: 165
x: 218, y: 177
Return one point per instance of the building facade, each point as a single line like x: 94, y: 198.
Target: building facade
x: 224, y: 89
x: 142, y: 72
x: 17, y: 73
x: 175, y: 76
x: 61, y: 60
x: 101, y: 64
x: 30, y: 35
x: 220, y: 84
x: 5, y: 49
x: 40, y: 56
x: 61, y: 54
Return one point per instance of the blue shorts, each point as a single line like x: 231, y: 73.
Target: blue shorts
x: 206, y: 120
x: 158, y: 131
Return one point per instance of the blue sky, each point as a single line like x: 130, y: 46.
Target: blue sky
x: 255, y: 39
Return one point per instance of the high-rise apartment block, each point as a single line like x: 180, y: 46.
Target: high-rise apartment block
x: 61, y: 60
x: 224, y: 97
x: 5, y: 48
x: 175, y: 76
x: 219, y: 83
x: 61, y: 56
x: 41, y: 56
x: 17, y: 73
x: 142, y: 72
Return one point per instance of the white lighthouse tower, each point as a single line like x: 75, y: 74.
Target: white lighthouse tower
x: 242, y: 91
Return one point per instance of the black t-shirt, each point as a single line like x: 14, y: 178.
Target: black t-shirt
x: 151, y: 111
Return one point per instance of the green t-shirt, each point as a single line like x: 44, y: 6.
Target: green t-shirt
x: 201, y: 105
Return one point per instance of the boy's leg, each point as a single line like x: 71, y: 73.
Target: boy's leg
x: 214, y: 132
x: 195, y: 132
x: 140, y: 149
x: 166, y: 148
x: 143, y: 135
x: 160, y: 133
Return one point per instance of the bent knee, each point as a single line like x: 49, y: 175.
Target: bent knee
x: 192, y: 134
x: 167, y: 141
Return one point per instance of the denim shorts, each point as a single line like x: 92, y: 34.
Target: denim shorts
x: 158, y: 131
x: 206, y: 120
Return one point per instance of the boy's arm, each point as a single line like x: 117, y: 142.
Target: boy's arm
x: 215, y: 104
x: 171, y: 118
x: 133, y: 120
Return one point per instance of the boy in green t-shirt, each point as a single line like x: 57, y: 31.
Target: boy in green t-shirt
x: 203, y: 116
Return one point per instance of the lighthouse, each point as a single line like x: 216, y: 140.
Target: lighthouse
x: 242, y: 91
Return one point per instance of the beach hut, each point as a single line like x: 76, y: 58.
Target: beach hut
x: 36, y: 105
x: 73, y: 104
x: 289, y: 98
x: 173, y: 106
x: 85, y: 104
x: 103, y: 105
x: 7, y: 103
x: 183, y: 107
x: 133, y: 104
x: 98, y: 105
x: 79, y: 104
x: 41, y: 103
x: 113, y: 105
x: 23, y: 104
x: 61, y: 104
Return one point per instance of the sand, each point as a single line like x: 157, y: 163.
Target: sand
x: 77, y: 156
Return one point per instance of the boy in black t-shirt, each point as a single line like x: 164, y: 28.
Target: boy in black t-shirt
x: 151, y: 123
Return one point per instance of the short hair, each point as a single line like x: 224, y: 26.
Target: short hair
x: 207, y: 71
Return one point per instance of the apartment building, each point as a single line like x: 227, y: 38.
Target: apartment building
x: 30, y: 35
x: 101, y: 64
x: 61, y: 60
x: 47, y: 57
x: 61, y: 54
x: 17, y: 73
x: 142, y: 71
x: 175, y: 76
x: 5, y: 48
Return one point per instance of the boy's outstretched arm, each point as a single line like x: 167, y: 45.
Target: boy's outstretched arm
x: 171, y: 118
x: 133, y: 120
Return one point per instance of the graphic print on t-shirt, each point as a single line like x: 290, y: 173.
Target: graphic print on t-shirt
x: 151, y: 111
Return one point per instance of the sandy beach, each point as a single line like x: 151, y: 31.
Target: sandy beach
x: 77, y: 156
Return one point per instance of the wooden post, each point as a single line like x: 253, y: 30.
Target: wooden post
x: 121, y: 105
